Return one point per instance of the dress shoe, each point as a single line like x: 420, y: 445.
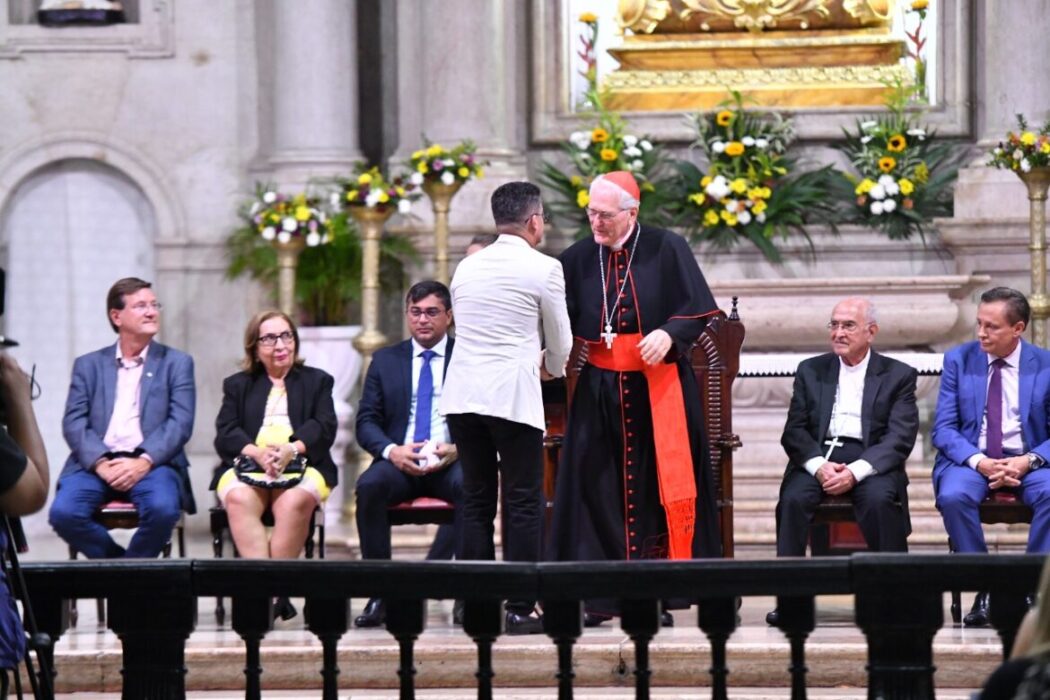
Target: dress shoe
x: 978, y: 615
x: 523, y: 624
x: 594, y: 619
x: 773, y: 617
x: 457, y: 613
x: 283, y: 608
x: 373, y: 615
x: 666, y: 619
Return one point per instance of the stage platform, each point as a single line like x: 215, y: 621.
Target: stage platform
x: 88, y: 657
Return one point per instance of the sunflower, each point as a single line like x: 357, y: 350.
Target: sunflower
x: 724, y: 118
x: 734, y: 149
x: 588, y: 17
x: 583, y: 198
x: 599, y: 135
x: 887, y: 164
x: 608, y: 154
x: 896, y: 143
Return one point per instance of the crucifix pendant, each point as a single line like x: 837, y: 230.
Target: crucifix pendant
x: 608, y: 336
x: 832, y: 443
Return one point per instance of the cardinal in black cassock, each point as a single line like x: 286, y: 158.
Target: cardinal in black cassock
x: 630, y: 486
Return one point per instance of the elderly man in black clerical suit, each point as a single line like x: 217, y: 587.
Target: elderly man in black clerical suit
x: 399, y: 424
x: 851, y: 425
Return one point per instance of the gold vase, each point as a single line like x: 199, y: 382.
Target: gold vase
x: 370, y: 220
x: 441, y: 199
x: 1037, y: 180
x: 287, y: 261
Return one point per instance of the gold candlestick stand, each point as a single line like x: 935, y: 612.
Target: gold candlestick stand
x: 370, y: 338
x: 441, y: 199
x: 287, y: 260
x: 1037, y: 180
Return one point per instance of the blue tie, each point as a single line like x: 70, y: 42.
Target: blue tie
x: 424, y: 398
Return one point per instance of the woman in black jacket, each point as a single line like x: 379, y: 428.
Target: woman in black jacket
x: 275, y: 431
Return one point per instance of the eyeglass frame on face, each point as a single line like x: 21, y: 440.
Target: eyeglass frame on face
x: 603, y: 216
x: 142, y: 306
x: 846, y: 326
x: 429, y: 312
x: 544, y: 215
x: 270, y: 339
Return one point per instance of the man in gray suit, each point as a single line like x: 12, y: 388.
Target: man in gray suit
x: 128, y: 416
x: 510, y: 302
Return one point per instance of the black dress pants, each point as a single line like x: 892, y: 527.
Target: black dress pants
x: 494, y: 450
x: 879, y: 504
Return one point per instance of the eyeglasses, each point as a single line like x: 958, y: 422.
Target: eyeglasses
x: 603, y: 215
x: 846, y: 326
x: 430, y: 312
x: 140, y: 308
x: 545, y: 215
x: 270, y: 339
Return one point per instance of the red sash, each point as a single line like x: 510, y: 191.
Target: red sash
x: 674, y: 459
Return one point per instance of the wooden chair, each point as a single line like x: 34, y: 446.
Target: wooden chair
x: 999, y: 507
x: 121, y: 514
x: 715, y: 358
x: 421, y: 511
x: 220, y: 525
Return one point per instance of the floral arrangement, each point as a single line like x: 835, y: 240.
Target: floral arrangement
x: 1024, y: 149
x: 435, y: 163
x: 369, y: 188
x: 604, y: 146
x: 749, y: 190
x: 277, y: 216
x: 328, y: 277
x: 903, y: 176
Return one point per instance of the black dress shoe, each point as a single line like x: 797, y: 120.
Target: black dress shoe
x: 283, y: 608
x: 373, y: 615
x: 457, y: 613
x: 523, y: 624
x: 594, y: 619
x: 773, y: 617
x: 978, y: 615
x: 666, y: 619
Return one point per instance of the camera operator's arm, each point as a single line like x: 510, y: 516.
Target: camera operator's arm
x: 29, y: 492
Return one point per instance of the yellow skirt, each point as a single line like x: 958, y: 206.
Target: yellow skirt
x: 313, y: 482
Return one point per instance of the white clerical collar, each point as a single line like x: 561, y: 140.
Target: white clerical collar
x: 619, y: 246
x: 859, y: 368
x: 512, y: 238
x: 438, y: 349
x: 1013, y: 359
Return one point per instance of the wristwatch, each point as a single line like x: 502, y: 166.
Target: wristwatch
x: 1034, y: 460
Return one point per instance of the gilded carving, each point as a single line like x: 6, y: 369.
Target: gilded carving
x: 869, y: 11
x: 642, y: 16
x: 831, y: 75
x: 756, y: 15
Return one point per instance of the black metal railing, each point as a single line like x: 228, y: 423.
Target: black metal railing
x: 898, y: 607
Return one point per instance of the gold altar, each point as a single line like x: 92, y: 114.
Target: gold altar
x: 686, y: 54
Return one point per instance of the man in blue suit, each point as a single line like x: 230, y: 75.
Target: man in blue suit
x: 399, y: 424
x: 128, y: 416
x: 990, y: 428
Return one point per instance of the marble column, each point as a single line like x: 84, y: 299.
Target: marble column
x: 989, y: 232
x: 308, y: 80
x: 460, y: 79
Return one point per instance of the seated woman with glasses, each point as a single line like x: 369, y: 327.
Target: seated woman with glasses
x: 275, y: 431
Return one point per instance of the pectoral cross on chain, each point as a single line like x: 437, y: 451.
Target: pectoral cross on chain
x: 833, y: 443
x: 608, y: 336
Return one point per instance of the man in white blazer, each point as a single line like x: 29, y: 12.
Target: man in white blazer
x: 512, y: 329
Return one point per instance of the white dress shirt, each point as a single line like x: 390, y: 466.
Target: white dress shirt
x: 438, y: 427
x: 846, y: 415
x: 1013, y: 441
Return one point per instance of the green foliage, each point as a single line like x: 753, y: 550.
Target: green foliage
x: 328, y: 277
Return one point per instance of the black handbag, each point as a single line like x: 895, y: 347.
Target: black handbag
x: 249, y: 471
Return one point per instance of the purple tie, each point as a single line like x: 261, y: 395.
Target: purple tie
x: 994, y: 435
